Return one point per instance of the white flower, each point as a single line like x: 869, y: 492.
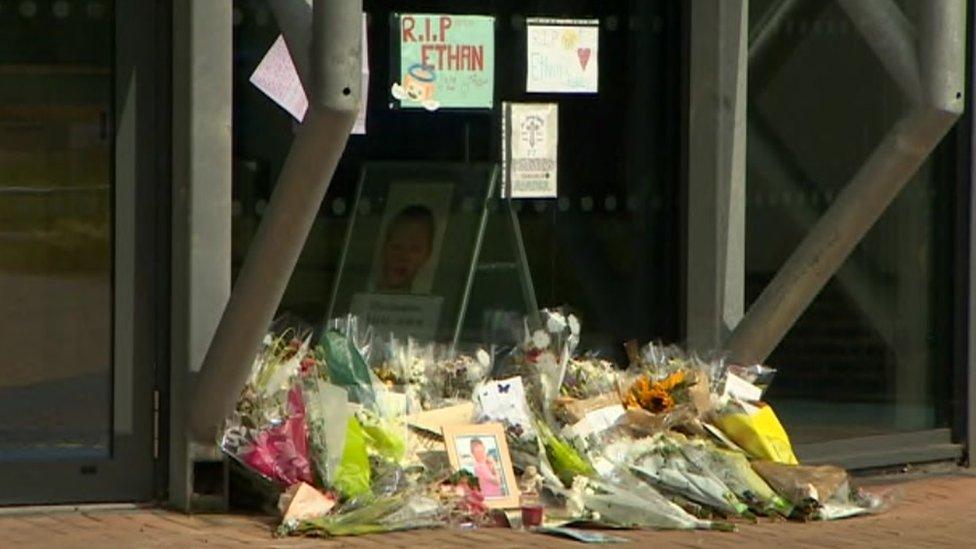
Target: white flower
x: 574, y: 325
x: 556, y: 323
x: 547, y: 359
x: 540, y: 339
x: 476, y: 373
x: 483, y: 358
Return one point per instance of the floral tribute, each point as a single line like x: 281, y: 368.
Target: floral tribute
x: 345, y: 427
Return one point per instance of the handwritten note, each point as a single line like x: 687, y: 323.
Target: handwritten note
x: 277, y: 78
x: 563, y: 56
x: 530, y: 155
x: 446, y: 61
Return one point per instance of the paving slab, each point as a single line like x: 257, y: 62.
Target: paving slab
x: 930, y: 512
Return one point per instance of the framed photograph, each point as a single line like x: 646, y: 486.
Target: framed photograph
x: 411, y: 246
x: 483, y: 451
x: 411, y: 236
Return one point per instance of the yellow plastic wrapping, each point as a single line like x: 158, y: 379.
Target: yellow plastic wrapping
x: 760, y: 434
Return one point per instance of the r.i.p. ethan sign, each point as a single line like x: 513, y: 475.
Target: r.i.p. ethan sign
x: 446, y: 61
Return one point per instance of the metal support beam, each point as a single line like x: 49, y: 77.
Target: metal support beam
x: 716, y: 174
x: 942, y: 53
x: 201, y: 244
x: 293, y: 207
x: 763, y: 34
x: 891, y: 36
x: 766, y: 157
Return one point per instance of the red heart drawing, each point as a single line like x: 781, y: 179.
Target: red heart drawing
x: 584, y: 56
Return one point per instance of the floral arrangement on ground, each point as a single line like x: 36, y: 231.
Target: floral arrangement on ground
x: 348, y: 429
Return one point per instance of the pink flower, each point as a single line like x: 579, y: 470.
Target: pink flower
x: 281, y: 452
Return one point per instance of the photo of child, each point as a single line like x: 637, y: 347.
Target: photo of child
x: 479, y: 455
x: 407, y: 252
x: 407, y: 246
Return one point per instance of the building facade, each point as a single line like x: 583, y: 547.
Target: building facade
x: 787, y: 181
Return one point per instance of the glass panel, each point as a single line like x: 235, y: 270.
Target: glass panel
x: 872, y: 354
x: 608, y: 245
x: 56, y: 60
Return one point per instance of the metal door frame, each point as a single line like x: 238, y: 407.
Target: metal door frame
x: 139, y: 280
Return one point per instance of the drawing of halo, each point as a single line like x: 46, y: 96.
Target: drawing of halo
x: 421, y: 72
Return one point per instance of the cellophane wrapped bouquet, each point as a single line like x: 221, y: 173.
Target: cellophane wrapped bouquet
x: 668, y: 440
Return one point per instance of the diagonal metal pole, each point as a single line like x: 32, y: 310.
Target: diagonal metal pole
x: 763, y: 34
x: 891, y: 36
x: 942, y: 55
x: 768, y: 158
x: 330, y: 73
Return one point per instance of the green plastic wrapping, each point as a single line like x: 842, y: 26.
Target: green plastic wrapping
x: 384, y: 439
x: 348, y: 369
x: 353, y: 477
x: 566, y: 462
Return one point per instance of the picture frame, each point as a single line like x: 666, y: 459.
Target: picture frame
x: 482, y: 450
x: 454, y: 200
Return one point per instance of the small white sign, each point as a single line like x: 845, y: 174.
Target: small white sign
x: 598, y: 420
x: 277, y: 77
x: 736, y: 387
x: 504, y: 401
x: 530, y: 150
x: 403, y: 315
x: 562, y: 56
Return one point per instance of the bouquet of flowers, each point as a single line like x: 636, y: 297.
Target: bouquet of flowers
x: 625, y: 448
x: 661, y: 462
x: 405, y: 511
x: 628, y: 503
x: 589, y: 377
x: 268, y: 431
x: 545, y: 354
x: 453, y: 377
x: 658, y: 397
x: 431, y: 376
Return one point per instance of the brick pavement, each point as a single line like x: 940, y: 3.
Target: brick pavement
x: 932, y: 512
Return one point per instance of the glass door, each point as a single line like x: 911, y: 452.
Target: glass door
x: 76, y: 307
x: 867, y: 371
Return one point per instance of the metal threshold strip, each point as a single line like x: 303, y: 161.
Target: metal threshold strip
x: 883, y: 450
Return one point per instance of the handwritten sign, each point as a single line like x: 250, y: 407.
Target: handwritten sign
x: 276, y: 76
x: 530, y: 149
x: 446, y: 61
x: 563, y: 56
